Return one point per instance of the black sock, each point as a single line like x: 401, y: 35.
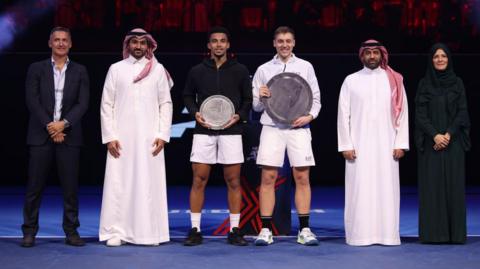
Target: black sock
x: 266, y: 222
x: 303, y: 219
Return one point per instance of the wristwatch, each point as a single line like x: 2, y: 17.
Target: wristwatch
x: 67, y: 123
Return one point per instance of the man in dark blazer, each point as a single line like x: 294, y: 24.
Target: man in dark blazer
x: 57, y: 95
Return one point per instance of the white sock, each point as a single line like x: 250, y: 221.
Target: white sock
x: 195, y: 219
x: 234, y: 221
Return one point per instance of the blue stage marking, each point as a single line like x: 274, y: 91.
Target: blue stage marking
x: 179, y: 128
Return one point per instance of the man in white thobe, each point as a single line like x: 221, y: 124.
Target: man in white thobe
x: 372, y: 136
x: 136, y: 115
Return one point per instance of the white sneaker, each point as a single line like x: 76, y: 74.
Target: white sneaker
x: 264, y: 238
x: 114, y: 242
x: 307, y: 238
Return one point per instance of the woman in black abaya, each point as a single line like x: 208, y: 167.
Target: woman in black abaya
x: 442, y: 138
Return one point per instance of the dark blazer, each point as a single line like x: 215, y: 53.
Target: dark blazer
x: 40, y: 99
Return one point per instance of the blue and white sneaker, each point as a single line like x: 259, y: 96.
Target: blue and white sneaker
x: 307, y: 238
x: 264, y: 238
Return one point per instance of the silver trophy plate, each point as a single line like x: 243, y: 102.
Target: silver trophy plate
x: 217, y: 110
x: 291, y: 97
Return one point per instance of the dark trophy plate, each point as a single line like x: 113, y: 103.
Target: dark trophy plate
x: 291, y: 97
x: 217, y: 110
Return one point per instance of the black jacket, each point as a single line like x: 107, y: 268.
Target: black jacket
x: 40, y: 99
x: 232, y: 80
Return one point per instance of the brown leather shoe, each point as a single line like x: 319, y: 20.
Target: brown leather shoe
x: 74, y: 240
x: 28, y: 241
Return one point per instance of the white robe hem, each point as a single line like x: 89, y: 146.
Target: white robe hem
x: 136, y: 241
x: 374, y: 241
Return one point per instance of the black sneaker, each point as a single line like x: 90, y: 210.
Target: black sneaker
x: 28, y: 241
x: 74, y: 240
x: 235, y: 237
x: 194, y: 238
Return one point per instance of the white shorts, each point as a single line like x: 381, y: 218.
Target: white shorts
x: 212, y: 149
x: 274, y: 142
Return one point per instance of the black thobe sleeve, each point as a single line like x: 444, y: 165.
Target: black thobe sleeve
x: 461, y: 119
x: 422, y: 120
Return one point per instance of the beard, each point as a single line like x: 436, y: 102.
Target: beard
x: 372, y: 64
x: 219, y: 54
x: 138, y: 53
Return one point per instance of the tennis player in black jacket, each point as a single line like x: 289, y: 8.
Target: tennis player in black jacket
x: 217, y: 75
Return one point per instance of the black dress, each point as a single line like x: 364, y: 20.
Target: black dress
x: 441, y: 174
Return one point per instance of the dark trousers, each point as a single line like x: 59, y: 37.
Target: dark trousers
x: 40, y: 162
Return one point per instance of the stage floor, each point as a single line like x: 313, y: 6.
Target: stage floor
x: 326, y: 221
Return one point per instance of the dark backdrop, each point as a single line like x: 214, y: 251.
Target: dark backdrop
x: 331, y: 69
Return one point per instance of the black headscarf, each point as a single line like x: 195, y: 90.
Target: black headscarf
x: 440, y: 79
x: 438, y: 82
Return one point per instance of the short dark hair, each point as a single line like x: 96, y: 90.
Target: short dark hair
x: 61, y: 29
x: 283, y: 30
x: 218, y: 29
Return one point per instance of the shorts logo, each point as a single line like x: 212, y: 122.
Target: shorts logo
x: 308, y: 158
